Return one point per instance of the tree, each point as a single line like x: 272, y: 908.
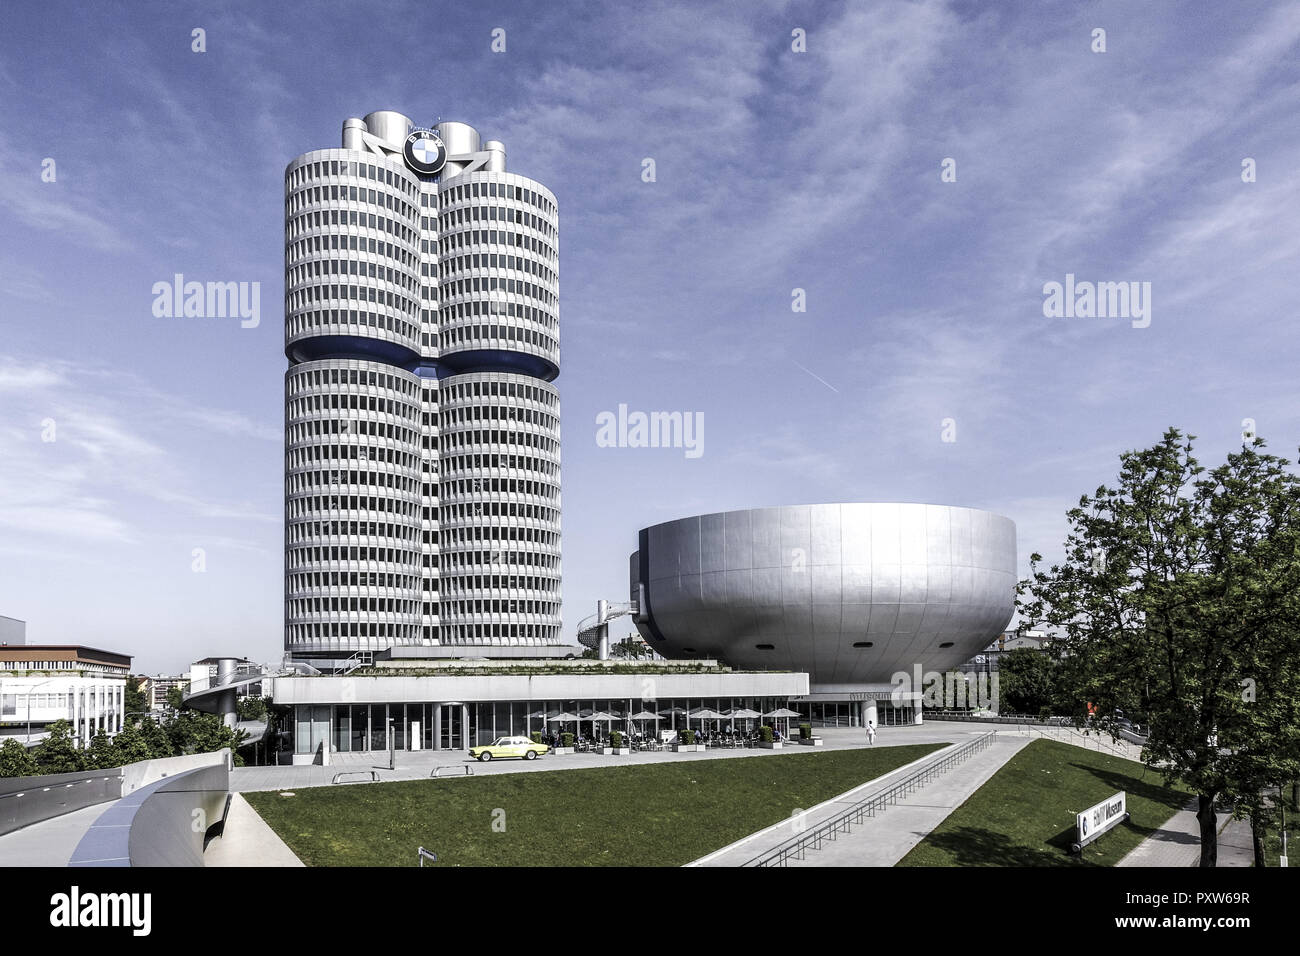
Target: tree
x: 175, y: 698
x: 1179, y: 598
x: 15, y: 761
x: 1027, y: 680
x: 134, y: 701
x: 56, y: 753
x: 132, y: 745
x: 251, y: 708
x: 192, y: 732
x: 102, y: 754
x: 156, y: 739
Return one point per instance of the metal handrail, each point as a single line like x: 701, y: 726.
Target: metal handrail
x: 374, y: 777
x: 869, y: 806
x: 469, y: 770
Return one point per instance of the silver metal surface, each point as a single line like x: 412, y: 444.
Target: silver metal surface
x: 850, y: 593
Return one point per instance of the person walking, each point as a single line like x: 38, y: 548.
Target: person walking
x: 871, y: 733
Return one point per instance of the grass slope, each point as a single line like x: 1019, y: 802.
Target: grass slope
x: 1025, y: 814
x: 639, y: 815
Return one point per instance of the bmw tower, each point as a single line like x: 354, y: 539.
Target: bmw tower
x: 422, y: 428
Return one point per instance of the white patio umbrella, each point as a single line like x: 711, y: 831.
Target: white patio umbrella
x: 704, y: 713
x: 785, y: 712
x: 744, y: 713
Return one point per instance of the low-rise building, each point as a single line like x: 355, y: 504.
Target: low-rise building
x: 44, y: 683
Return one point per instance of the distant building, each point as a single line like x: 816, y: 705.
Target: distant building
x: 44, y: 683
x: 12, y: 630
x: 156, y: 689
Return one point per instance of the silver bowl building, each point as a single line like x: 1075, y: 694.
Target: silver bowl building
x: 853, y: 594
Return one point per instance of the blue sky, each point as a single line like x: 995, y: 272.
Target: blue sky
x: 775, y: 170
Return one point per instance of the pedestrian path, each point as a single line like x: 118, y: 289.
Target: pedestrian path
x: 246, y: 840
x: 886, y: 838
x: 1178, y: 842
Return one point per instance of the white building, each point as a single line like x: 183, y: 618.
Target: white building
x: 44, y: 683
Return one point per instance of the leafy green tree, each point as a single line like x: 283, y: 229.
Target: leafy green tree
x: 176, y: 698
x: 102, y: 754
x: 251, y: 708
x: 156, y: 739
x: 57, y: 753
x: 1026, y: 680
x: 134, y: 701
x: 1179, y: 598
x: 132, y: 745
x: 192, y: 732
x: 15, y: 761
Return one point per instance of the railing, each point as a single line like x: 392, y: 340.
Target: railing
x: 844, y: 821
x: 28, y: 800
x: 455, y: 771
x: 374, y: 777
x: 359, y: 659
x: 423, y: 854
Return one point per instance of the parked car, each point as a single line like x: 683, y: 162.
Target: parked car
x: 509, y: 747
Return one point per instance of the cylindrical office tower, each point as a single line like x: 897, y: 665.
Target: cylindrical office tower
x: 422, y: 493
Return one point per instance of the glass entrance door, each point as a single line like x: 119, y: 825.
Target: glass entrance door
x: 453, y: 734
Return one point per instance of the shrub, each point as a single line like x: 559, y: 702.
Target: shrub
x: 566, y: 740
x: 805, y: 731
x: 616, y: 738
x: 15, y: 761
x: 535, y: 736
x: 688, y: 737
x: 766, y: 733
x: 57, y: 753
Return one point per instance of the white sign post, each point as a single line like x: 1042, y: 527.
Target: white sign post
x: 1095, y: 821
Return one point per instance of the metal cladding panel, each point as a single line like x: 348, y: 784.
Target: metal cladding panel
x: 814, y: 580
x: 738, y: 540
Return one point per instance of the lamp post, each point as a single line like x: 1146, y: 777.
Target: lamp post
x: 29, y: 705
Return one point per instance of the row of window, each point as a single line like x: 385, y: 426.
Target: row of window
x: 454, y: 312
x: 455, y: 390
x: 497, y: 335
x: 492, y: 190
x: 474, y: 239
x: 298, y: 457
x: 499, y: 633
x: 472, y: 437
x: 317, y: 504
x: 315, y: 531
x: 299, y: 558
x: 299, y: 407
x: 450, y: 610
x: 499, y: 582
x: 300, y: 199
x: 499, y: 509
x: 473, y: 284
x: 304, y: 222
x: 352, y: 579
x: 474, y: 465
x: 342, y: 631
x: 350, y: 426
x: 299, y: 249
x: 309, y: 172
x: 405, y: 385
x: 315, y: 321
x: 306, y: 297
x: 450, y: 267
x: 500, y: 486
x: 499, y: 558
x: 468, y: 215
x: 475, y: 535
x: 310, y: 480
x: 324, y: 268
x: 304, y: 607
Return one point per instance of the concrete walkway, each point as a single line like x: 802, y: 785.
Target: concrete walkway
x: 246, y: 840
x: 1178, y: 842
x: 884, y: 839
x: 50, y: 842
x: 417, y: 765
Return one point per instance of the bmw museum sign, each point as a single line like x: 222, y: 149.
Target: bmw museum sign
x: 1097, y: 820
x: 424, y: 152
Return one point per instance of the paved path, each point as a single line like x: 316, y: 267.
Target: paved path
x: 1178, y: 842
x: 246, y: 840
x: 884, y: 839
x: 418, y: 765
x: 50, y: 842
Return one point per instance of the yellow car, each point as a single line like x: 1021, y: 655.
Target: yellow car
x: 509, y: 747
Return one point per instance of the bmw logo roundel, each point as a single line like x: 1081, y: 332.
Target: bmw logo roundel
x: 424, y: 152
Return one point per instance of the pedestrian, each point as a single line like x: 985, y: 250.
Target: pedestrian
x: 871, y: 733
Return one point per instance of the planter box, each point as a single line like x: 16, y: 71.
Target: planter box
x: 770, y: 744
x: 687, y: 748
x: 810, y: 741
x: 562, y: 750
x: 616, y: 750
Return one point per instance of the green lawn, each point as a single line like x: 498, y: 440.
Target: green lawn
x: 1025, y: 814
x: 638, y: 815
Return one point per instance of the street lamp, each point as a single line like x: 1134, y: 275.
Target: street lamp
x: 29, y: 705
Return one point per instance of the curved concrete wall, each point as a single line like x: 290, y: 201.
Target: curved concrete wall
x: 850, y: 593
x: 163, y: 823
